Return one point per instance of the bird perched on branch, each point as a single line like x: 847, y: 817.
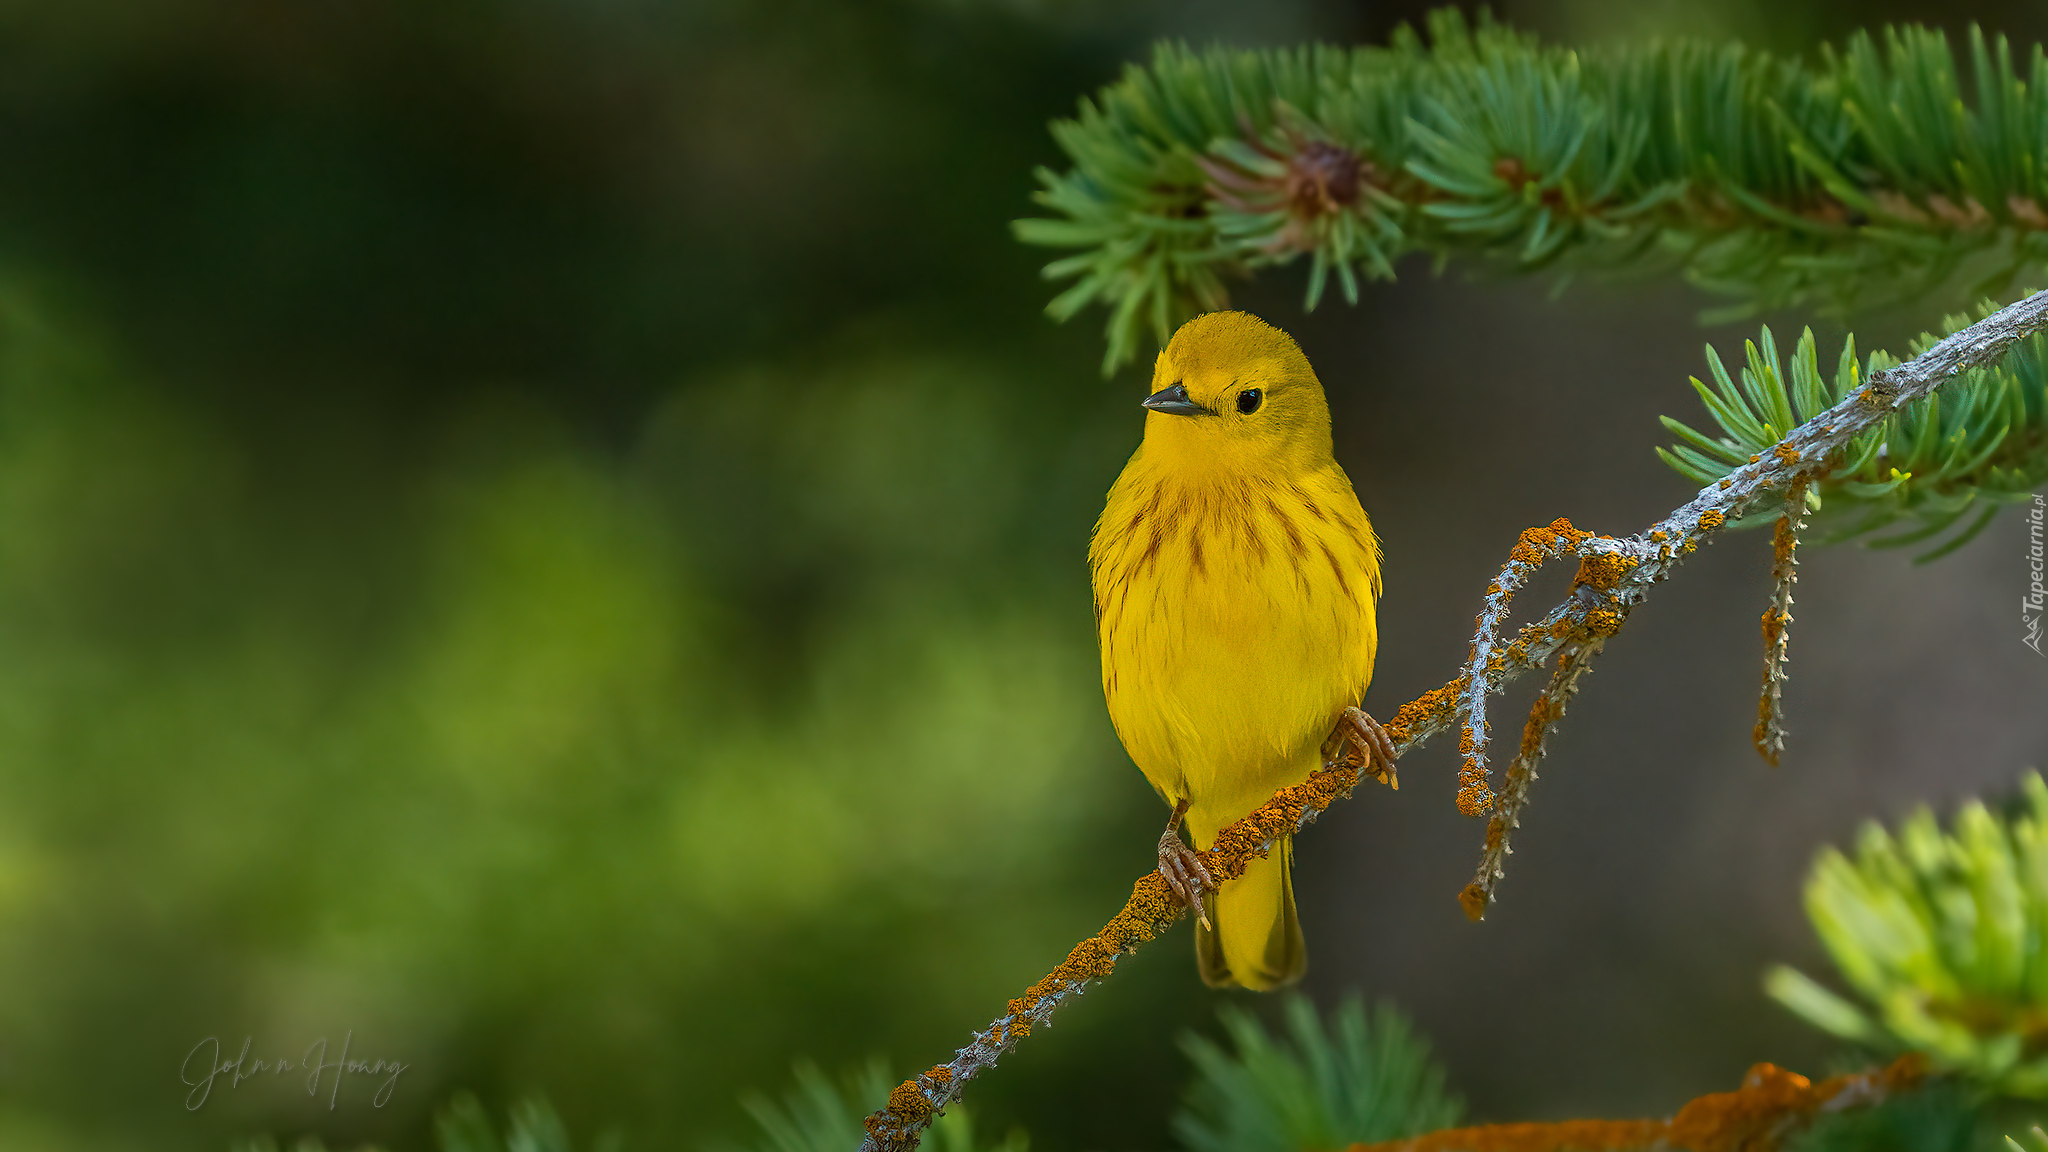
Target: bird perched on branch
x: 1235, y: 582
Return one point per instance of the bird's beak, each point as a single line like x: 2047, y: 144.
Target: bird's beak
x: 1174, y: 401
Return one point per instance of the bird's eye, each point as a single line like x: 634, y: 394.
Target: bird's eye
x: 1248, y: 400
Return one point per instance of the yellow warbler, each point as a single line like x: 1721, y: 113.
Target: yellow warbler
x: 1235, y: 580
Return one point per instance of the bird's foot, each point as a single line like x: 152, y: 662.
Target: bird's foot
x: 1184, y: 871
x: 1369, y: 746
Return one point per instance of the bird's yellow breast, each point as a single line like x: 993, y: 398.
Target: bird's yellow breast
x: 1235, y: 615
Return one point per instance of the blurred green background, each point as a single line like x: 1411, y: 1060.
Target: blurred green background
x: 548, y: 538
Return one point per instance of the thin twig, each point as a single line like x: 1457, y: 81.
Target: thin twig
x: 1777, y: 624
x: 1537, y: 545
x: 1544, y: 714
x: 1614, y: 576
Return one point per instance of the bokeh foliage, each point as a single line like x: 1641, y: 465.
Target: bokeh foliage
x: 1941, y: 934
x: 472, y: 579
x: 546, y: 768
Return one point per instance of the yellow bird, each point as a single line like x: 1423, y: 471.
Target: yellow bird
x: 1235, y: 582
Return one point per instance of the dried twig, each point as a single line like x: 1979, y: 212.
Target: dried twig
x: 1770, y: 709
x: 1614, y: 576
x: 1529, y: 553
x: 1543, y: 717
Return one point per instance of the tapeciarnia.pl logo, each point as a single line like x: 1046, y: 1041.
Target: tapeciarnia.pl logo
x: 2031, y: 606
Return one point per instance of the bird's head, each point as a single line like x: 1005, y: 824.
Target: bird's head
x: 1232, y: 391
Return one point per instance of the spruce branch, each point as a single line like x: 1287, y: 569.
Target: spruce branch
x: 1866, y: 178
x: 1614, y: 576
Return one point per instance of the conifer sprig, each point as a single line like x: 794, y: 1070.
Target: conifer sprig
x: 1946, y: 459
x: 1940, y: 935
x: 1869, y: 177
x: 1358, y: 1078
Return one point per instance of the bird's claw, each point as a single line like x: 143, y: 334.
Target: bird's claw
x: 1185, y: 873
x: 1374, y: 748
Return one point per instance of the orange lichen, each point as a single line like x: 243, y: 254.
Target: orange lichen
x: 1545, y: 711
x: 1431, y: 709
x: 1754, y: 459
x: 1474, y: 797
x: 1786, y: 454
x: 909, y: 1102
x: 1711, y: 520
x: 1727, y: 483
x: 1539, y: 544
x: 1473, y: 900
x: 1603, y: 622
x: 1774, y: 623
x: 1604, y: 570
x: 1656, y: 535
x: 1557, y: 1136
x: 1771, y: 1105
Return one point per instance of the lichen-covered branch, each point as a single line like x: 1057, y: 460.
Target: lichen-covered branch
x: 1544, y: 714
x: 1614, y: 575
x: 1771, y: 1109
x: 1769, y: 733
x: 1475, y: 795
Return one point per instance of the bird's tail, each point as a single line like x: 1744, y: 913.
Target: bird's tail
x: 1257, y: 940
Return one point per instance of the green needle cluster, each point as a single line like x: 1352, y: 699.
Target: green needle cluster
x: 1871, y: 175
x: 1951, y: 458
x: 1942, y: 936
